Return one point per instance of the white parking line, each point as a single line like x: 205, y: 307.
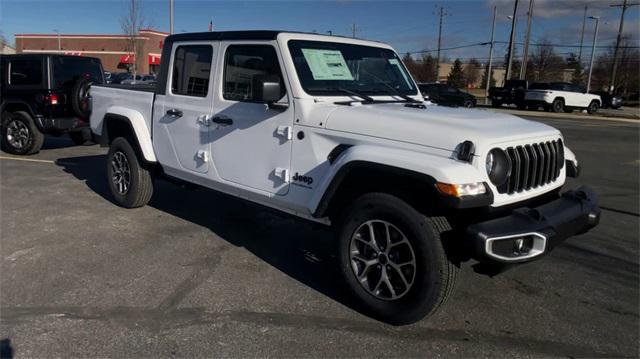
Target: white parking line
x: 25, y: 159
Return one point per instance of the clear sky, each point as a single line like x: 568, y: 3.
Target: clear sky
x: 409, y: 26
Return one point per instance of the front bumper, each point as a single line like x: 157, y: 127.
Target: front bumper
x: 528, y: 233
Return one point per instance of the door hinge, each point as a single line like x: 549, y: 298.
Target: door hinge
x: 203, y: 156
x: 283, y: 174
x: 204, y: 120
x: 285, y: 132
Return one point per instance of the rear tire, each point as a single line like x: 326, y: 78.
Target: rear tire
x: 77, y: 137
x: 411, y: 291
x: 593, y: 107
x: 557, y: 105
x: 131, y: 184
x: 20, y: 135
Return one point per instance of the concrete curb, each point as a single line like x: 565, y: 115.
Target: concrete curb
x: 566, y: 116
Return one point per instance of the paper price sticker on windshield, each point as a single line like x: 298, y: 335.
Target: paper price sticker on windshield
x: 327, y: 64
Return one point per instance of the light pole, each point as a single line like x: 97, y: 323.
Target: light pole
x: 593, y: 50
x: 171, y: 16
x: 58, y: 32
x: 488, y: 74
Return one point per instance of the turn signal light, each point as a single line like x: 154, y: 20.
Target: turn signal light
x: 459, y: 190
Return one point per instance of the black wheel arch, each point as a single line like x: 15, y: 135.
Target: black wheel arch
x: 114, y: 126
x: 13, y: 105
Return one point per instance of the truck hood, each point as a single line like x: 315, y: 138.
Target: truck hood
x: 435, y: 126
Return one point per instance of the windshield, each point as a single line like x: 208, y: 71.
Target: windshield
x: 337, y: 69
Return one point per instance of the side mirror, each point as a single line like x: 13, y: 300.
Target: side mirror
x: 266, y: 88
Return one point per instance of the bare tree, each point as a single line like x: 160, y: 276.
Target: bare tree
x: 547, y: 64
x: 131, y: 22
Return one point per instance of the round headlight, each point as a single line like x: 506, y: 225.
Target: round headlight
x: 497, y: 165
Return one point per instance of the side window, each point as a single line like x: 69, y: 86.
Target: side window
x: 25, y: 72
x: 242, y: 63
x: 191, y: 69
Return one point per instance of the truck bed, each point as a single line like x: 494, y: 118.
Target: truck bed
x: 132, y: 98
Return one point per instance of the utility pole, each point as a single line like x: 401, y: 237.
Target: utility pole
x: 525, y: 52
x: 584, y: 20
x: 614, y: 67
x: 488, y: 75
x: 354, y: 29
x: 171, y: 16
x: 593, y: 50
x: 439, y: 43
x: 59, y: 45
x: 512, y: 41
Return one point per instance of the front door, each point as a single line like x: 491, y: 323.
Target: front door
x: 250, y: 141
x: 180, y: 132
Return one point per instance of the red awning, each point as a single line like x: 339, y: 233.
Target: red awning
x: 154, y: 59
x: 127, y: 59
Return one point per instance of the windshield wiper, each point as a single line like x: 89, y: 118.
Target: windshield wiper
x: 355, y: 93
x: 393, y: 89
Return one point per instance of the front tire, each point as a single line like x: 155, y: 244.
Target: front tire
x: 20, y: 135
x: 393, y: 260
x: 593, y: 107
x: 131, y: 184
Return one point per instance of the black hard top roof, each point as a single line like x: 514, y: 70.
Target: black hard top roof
x: 47, y: 54
x: 237, y: 35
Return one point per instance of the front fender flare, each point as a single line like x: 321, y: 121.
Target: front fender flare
x: 138, y: 126
x: 433, y: 168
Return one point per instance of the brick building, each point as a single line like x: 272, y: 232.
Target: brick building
x: 113, y: 50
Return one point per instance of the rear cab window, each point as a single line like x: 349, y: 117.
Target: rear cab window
x: 25, y: 72
x: 191, y: 70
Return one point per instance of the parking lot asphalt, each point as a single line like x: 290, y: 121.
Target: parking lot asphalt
x: 196, y: 273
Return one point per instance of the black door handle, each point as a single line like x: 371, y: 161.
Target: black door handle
x: 175, y: 113
x: 222, y: 120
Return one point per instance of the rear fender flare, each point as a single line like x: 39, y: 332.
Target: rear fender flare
x: 138, y: 126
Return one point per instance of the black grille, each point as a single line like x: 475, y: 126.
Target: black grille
x: 533, y: 165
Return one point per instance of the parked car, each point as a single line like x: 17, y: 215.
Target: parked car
x: 608, y: 100
x: 140, y: 79
x: 512, y: 92
x: 561, y: 97
x: 446, y: 95
x: 334, y: 130
x: 107, y: 77
x: 45, y: 94
x: 116, y: 78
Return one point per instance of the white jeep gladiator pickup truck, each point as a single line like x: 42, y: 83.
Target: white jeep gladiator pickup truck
x: 334, y: 130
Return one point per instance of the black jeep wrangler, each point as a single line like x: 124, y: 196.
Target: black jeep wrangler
x: 45, y: 94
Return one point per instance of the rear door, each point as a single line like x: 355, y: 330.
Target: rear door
x: 180, y: 130
x: 251, y: 142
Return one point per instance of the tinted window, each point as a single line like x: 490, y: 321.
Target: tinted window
x: 191, y: 69
x: 25, y: 72
x: 244, y: 62
x: 539, y: 86
x: 67, y: 70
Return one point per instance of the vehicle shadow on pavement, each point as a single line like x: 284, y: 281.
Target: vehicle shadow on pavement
x: 301, y: 249
x: 6, y: 350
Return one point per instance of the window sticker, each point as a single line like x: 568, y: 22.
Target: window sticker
x: 396, y: 63
x: 327, y: 64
